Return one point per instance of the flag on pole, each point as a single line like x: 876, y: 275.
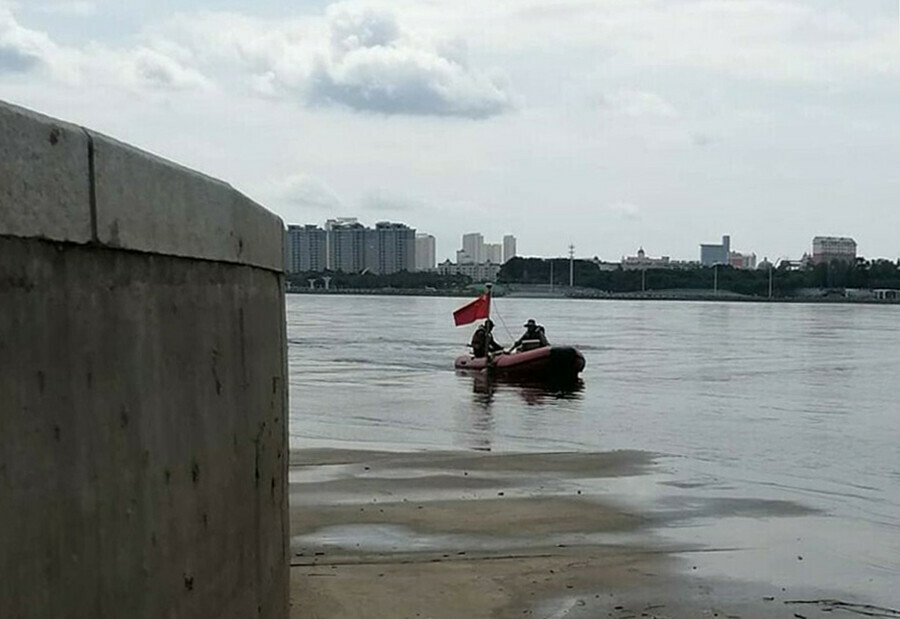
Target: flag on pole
x: 476, y: 310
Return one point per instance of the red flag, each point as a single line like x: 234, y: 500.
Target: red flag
x: 476, y: 310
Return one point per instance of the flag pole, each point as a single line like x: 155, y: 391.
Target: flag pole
x: 489, y: 354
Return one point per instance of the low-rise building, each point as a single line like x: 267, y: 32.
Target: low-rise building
x: 827, y: 249
x: 483, y: 272
x: 742, y: 261
x: 643, y: 262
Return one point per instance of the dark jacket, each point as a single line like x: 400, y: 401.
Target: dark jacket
x: 482, y: 342
x: 533, y: 333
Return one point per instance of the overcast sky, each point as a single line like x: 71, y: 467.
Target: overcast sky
x: 610, y: 124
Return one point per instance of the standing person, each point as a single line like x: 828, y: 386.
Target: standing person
x: 483, y: 340
x: 533, y: 337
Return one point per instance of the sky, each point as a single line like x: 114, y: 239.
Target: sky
x: 607, y: 124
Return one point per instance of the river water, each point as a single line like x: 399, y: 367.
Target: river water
x: 792, y: 406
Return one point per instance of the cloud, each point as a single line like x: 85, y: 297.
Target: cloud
x: 302, y: 191
x: 382, y: 202
x: 152, y: 68
x: 74, y: 8
x: 351, y: 57
x: 625, y: 210
x: 21, y: 49
x: 759, y: 40
x: 636, y: 104
x: 374, y: 66
x: 141, y: 68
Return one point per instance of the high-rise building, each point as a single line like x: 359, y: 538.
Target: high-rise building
x: 711, y: 255
x: 426, y: 259
x: 509, y: 248
x: 493, y: 253
x: 829, y: 248
x: 305, y: 248
x: 473, y: 248
x: 346, y: 246
x: 390, y: 248
x: 331, y: 224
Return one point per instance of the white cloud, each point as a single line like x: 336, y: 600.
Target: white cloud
x: 76, y: 8
x: 625, y: 210
x: 21, y: 49
x: 26, y: 50
x: 352, y: 57
x: 636, y: 104
x: 768, y: 40
x: 151, y: 68
x: 373, y: 65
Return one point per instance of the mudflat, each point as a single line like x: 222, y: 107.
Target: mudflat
x: 471, y: 534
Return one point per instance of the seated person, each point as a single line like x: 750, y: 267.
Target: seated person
x: 483, y: 340
x: 533, y: 337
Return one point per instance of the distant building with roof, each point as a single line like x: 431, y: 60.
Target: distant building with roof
x: 484, y: 272
x: 742, y: 261
x: 827, y: 249
x: 713, y: 254
x: 642, y: 262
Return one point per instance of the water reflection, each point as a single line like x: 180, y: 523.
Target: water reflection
x: 533, y: 392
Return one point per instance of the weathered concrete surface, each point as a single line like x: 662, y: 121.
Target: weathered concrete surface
x: 178, y: 211
x: 142, y: 449
x: 44, y: 178
x: 143, y: 464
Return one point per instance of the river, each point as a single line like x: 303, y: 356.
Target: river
x: 790, y: 406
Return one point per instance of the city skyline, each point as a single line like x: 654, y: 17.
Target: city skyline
x: 619, y: 136
x: 745, y: 259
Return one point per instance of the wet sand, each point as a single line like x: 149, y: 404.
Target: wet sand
x: 443, y: 534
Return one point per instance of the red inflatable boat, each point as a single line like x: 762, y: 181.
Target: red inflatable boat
x: 539, y: 363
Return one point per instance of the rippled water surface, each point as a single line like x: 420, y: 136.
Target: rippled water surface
x: 783, y: 403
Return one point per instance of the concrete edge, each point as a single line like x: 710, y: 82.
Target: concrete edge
x: 119, y: 196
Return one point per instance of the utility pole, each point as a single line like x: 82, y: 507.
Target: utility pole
x: 643, y: 280
x: 571, y: 266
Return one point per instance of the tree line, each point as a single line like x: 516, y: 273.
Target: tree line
x: 369, y: 281
x: 864, y: 274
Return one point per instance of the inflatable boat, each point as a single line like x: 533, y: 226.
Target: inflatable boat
x: 546, y: 362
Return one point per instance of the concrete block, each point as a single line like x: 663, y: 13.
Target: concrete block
x: 149, y: 204
x: 143, y: 436
x: 44, y: 177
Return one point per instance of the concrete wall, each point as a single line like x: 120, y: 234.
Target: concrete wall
x: 143, y: 442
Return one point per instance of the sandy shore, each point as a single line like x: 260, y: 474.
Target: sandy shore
x: 437, y: 534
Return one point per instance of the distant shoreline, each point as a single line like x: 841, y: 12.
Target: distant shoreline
x: 582, y: 294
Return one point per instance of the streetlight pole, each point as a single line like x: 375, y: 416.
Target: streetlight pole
x: 571, y: 266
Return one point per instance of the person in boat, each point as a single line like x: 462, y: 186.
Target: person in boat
x: 534, y: 337
x: 483, y: 340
